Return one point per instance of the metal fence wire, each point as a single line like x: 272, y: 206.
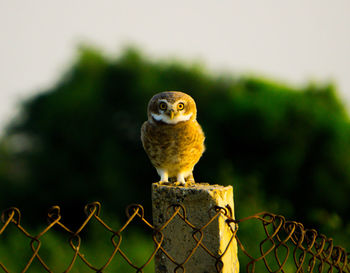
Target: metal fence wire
x: 284, y: 242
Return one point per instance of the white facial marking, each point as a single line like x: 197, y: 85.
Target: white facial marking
x: 163, y: 100
x: 166, y: 119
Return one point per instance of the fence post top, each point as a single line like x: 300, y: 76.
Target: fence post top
x: 194, y: 186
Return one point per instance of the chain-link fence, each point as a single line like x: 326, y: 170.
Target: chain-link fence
x: 285, y: 246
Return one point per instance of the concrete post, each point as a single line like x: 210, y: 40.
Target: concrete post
x: 198, y: 239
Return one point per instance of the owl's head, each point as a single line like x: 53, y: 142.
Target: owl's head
x: 171, y: 107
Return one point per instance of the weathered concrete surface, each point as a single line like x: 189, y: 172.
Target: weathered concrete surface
x: 199, y: 200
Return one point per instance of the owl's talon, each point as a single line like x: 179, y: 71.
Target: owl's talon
x: 190, y: 183
x: 179, y: 183
x: 164, y: 183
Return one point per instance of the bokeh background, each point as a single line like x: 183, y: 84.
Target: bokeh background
x: 271, y: 84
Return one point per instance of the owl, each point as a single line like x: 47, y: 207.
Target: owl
x: 172, y: 137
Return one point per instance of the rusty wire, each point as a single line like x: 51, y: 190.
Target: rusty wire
x: 284, y: 241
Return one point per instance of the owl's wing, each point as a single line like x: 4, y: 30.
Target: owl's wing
x: 144, y: 133
x: 199, y: 138
x: 148, y: 136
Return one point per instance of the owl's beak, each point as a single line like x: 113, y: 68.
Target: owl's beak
x: 171, y: 113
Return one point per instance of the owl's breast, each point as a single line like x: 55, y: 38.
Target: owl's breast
x: 173, y: 146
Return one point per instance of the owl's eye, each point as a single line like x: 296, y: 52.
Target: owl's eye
x: 162, y: 106
x: 180, y: 106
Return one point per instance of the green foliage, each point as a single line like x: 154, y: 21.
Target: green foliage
x: 283, y: 149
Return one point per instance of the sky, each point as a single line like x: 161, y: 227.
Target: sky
x: 291, y: 41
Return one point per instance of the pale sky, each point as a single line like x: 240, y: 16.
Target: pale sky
x: 292, y: 41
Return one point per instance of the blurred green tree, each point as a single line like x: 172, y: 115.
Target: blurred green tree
x: 283, y: 149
